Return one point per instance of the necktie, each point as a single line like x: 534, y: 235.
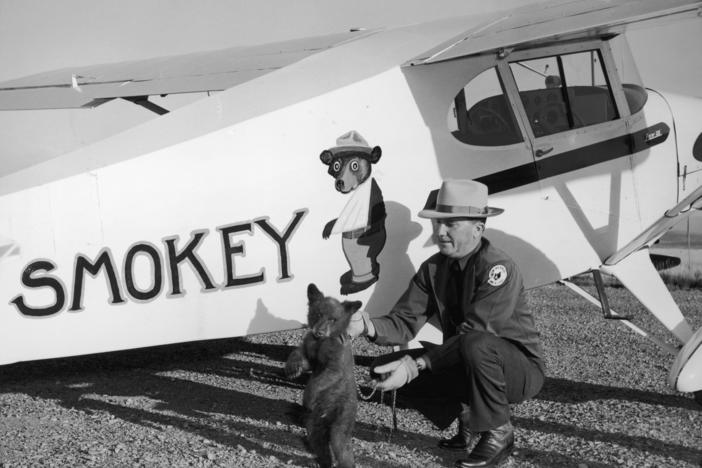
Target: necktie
x: 455, y: 293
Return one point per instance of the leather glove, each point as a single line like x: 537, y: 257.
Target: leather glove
x: 395, y: 374
x: 360, y: 324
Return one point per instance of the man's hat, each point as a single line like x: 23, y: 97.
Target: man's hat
x: 461, y: 199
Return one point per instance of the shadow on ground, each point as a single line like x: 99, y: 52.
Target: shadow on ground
x: 232, y: 413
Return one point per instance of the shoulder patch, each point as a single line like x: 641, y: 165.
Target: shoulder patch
x: 497, y: 275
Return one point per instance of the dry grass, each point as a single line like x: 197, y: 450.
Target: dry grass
x: 683, y: 280
x: 675, y: 280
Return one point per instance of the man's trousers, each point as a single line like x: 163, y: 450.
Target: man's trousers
x: 476, y: 369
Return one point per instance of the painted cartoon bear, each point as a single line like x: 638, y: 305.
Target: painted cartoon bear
x: 362, y: 221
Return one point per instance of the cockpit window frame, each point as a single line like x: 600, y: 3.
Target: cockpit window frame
x: 609, y: 71
x: 519, y: 130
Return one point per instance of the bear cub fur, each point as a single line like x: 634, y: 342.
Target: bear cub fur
x: 330, y: 397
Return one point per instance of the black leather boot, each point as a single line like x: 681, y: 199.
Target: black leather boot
x: 493, y: 447
x: 462, y: 440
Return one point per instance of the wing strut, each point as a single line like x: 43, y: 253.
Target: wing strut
x: 687, y: 206
x: 144, y: 102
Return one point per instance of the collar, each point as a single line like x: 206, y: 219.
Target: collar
x: 463, y: 261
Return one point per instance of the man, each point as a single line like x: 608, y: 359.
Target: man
x: 491, y: 355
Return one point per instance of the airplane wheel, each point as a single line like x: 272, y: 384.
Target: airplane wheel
x: 698, y: 397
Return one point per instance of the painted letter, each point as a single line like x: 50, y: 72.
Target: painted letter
x: 282, y: 240
x: 82, y: 264
x: 46, y: 281
x: 237, y: 249
x: 149, y: 251
x: 189, y: 254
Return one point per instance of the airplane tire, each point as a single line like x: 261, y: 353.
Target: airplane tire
x: 698, y: 397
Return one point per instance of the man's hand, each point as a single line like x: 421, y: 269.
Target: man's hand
x: 395, y: 374
x: 360, y: 324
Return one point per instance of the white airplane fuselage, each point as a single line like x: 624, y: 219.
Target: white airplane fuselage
x: 207, y: 222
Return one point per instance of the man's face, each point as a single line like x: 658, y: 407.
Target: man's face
x: 457, y: 237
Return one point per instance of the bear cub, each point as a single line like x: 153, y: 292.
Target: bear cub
x: 329, y: 398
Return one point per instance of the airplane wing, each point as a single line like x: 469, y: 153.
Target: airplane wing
x: 90, y: 86
x: 556, y: 20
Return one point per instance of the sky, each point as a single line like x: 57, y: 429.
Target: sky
x: 42, y: 35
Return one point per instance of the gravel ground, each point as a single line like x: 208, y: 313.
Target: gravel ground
x: 223, y: 403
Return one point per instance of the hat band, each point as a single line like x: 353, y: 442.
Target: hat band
x: 464, y: 210
x: 351, y: 149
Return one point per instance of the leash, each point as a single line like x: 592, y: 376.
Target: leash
x: 382, y: 401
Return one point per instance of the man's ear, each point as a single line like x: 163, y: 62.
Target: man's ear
x: 352, y: 307
x: 479, y: 228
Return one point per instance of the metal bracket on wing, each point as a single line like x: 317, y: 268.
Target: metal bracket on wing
x: 673, y: 216
x: 144, y: 102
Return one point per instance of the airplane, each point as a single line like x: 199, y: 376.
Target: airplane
x: 308, y: 160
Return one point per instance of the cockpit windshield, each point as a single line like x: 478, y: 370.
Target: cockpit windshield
x: 565, y: 91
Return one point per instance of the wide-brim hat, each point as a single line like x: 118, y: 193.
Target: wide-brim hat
x: 460, y: 199
x: 351, y: 142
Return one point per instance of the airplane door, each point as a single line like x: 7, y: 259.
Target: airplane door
x: 572, y: 112
x: 570, y: 108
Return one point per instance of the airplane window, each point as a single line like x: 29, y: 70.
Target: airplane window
x: 564, y: 92
x: 589, y: 93
x: 481, y: 114
x: 634, y: 90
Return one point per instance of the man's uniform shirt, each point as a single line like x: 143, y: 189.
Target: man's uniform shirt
x: 484, y: 292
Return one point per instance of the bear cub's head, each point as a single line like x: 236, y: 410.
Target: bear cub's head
x: 350, y: 168
x: 326, y: 316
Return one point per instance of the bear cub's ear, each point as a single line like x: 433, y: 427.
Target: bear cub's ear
x: 351, y: 307
x: 313, y: 293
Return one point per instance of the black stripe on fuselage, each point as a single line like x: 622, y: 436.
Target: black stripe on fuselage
x: 575, y: 159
